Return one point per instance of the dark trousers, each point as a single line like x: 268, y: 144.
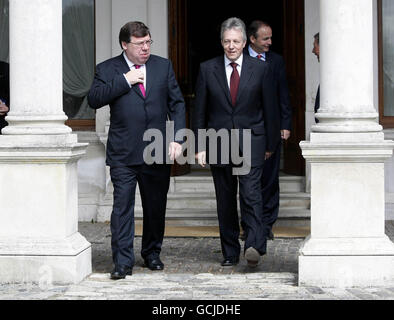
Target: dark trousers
x: 270, y: 189
x: 251, y: 205
x: 153, y: 182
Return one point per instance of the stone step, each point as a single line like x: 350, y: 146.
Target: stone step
x: 288, y: 217
x: 207, y: 201
x: 204, y: 183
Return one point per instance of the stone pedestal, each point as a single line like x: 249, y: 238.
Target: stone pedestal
x: 39, y: 239
x: 39, y: 210
x: 348, y: 246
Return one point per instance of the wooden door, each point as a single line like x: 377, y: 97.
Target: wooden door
x: 294, y: 55
x: 178, y: 54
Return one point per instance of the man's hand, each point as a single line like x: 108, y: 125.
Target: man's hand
x: 175, y: 150
x: 135, y: 76
x: 3, y: 108
x: 268, y: 155
x: 201, y: 158
x: 285, y: 134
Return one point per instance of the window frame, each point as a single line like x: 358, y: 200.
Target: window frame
x: 386, y: 121
x: 87, y: 124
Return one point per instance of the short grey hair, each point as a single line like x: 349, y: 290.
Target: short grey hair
x: 233, y: 23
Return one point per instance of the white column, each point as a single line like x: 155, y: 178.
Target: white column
x: 347, y: 151
x: 36, y: 74
x: 347, y: 53
x: 39, y: 238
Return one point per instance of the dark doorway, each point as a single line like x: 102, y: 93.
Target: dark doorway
x: 194, y: 37
x: 204, y: 25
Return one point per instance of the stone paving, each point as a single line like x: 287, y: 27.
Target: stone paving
x: 193, y: 272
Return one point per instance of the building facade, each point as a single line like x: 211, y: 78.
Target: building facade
x: 349, y: 142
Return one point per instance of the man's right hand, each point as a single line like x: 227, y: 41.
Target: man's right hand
x: 3, y: 108
x: 268, y: 155
x: 135, y: 76
x: 201, y: 158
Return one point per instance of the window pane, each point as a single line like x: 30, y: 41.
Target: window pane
x: 4, y: 30
x: 78, y: 57
x: 78, y: 53
x: 388, y: 56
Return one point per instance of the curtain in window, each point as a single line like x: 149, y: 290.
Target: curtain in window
x: 388, y: 56
x: 4, y: 30
x: 78, y: 53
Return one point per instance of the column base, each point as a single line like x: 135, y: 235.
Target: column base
x: 45, y: 261
x: 346, y: 271
x: 39, y: 239
x: 347, y: 262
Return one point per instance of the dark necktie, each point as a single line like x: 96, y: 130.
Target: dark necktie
x: 141, y: 85
x: 259, y: 56
x: 234, y: 83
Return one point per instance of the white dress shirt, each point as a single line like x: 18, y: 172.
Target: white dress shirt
x: 229, y: 68
x: 254, y: 54
x: 131, y: 66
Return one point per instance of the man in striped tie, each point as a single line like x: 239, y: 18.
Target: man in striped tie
x: 260, y: 37
x: 142, y: 93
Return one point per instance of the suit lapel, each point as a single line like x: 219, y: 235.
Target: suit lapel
x: 246, y: 74
x: 122, y: 67
x: 268, y: 57
x: 220, y: 74
x: 150, y: 77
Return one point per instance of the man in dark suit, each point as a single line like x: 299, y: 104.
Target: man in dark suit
x: 235, y: 91
x: 143, y: 94
x: 316, y: 52
x: 260, y: 37
x: 4, y: 92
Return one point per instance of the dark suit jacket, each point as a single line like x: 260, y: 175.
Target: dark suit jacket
x: 255, y: 107
x: 317, y: 103
x: 131, y: 113
x: 4, y: 88
x: 278, y: 67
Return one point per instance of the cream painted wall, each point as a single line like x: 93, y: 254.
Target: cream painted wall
x: 312, y: 67
x: 312, y: 71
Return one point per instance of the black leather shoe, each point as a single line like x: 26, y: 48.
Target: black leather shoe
x: 120, y: 272
x: 229, y: 262
x: 154, y: 264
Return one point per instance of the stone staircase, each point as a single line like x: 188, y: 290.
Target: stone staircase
x: 192, y: 201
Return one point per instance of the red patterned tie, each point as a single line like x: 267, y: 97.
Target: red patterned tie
x: 141, y: 85
x: 234, y: 83
x: 259, y: 56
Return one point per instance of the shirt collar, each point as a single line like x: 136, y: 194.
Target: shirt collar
x: 238, y: 61
x: 129, y: 63
x: 254, y: 54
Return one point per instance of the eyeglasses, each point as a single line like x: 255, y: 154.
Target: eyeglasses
x: 141, y: 44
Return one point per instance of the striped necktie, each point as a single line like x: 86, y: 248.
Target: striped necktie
x: 234, y: 83
x: 141, y: 85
